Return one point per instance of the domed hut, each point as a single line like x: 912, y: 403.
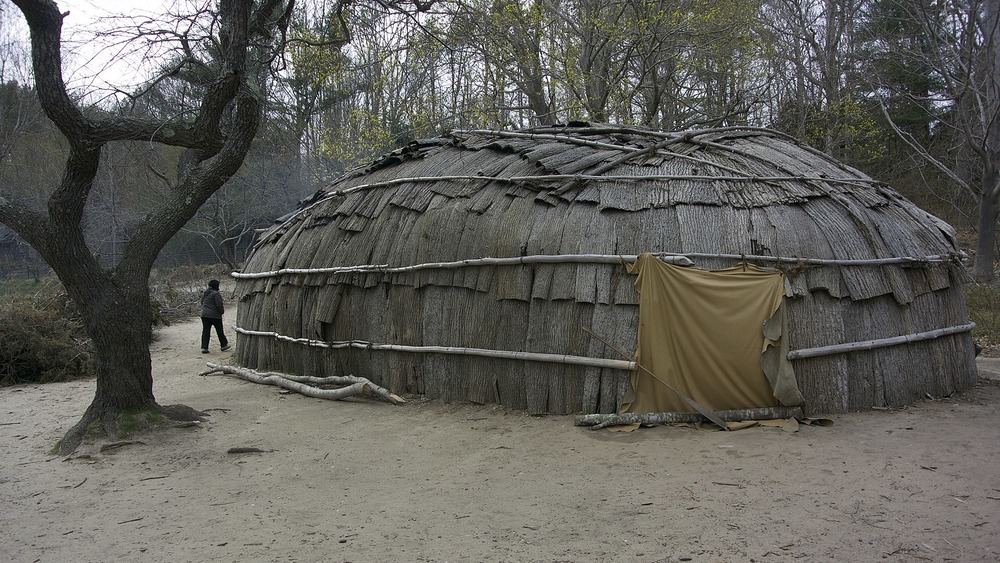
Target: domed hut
x: 467, y: 268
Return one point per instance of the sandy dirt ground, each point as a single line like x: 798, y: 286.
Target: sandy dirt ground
x: 359, y: 480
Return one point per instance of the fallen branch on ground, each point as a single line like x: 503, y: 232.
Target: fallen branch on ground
x: 248, y: 450
x: 115, y: 445
x: 187, y: 424
x: 599, y: 421
x: 354, y: 385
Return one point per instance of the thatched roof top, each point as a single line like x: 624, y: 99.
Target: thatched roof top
x: 611, y: 191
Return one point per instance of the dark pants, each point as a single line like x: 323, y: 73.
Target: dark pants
x: 206, y: 332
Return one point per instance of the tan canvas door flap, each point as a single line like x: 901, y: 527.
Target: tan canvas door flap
x: 703, y: 333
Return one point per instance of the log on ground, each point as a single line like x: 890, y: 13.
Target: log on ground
x: 614, y: 419
x: 355, y: 385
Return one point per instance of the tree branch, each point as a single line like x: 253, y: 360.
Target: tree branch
x: 925, y: 154
x: 45, y: 24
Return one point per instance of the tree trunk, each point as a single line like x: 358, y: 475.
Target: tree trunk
x: 227, y: 253
x: 121, y: 348
x: 986, y: 239
x: 114, y: 303
x: 989, y: 204
x: 118, y: 319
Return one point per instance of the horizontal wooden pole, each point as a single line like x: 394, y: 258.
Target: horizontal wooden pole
x: 511, y: 261
x: 878, y: 343
x: 677, y: 259
x: 481, y: 352
x: 895, y: 260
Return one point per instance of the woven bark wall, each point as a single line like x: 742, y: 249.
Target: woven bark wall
x: 890, y: 376
x: 461, y: 317
x: 446, y: 316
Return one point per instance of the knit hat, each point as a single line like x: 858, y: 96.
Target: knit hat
x: 214, y: 284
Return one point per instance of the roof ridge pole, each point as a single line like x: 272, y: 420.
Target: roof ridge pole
x: 575, y: 183
x: 560, y: 138
x: 524, y: 133
x: 804, y: 146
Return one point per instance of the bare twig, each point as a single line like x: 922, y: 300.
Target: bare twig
x: 116, y: 445
x: 248, y: 450
x: 132, y: 520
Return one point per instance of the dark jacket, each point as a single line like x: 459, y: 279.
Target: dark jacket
x: 212, y: 306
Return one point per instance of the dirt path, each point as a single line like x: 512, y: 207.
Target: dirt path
x: 362, y: 481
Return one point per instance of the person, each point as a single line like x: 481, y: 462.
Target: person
x: 212, y: 309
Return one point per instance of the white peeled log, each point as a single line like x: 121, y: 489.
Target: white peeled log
x: 299, y: 383
x: 598, y: 421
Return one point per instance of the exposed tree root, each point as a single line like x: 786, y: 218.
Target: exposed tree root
x: 116, y: 423
x: 183, y: 413
x: 74, y: 437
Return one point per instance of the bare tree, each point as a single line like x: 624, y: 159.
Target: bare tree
x: 231, y: 54
x: 948, y: 115
x: 266, y: 187
x: 813, y: 57
x: 512, y: 37
x: 989, y: 203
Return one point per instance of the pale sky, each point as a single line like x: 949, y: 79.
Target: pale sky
x: 94, y: 64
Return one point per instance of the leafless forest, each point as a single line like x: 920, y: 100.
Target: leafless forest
x: 903, y: 89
